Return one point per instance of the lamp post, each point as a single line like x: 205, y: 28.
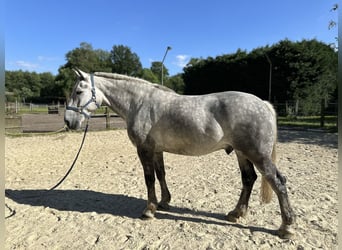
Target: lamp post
x: 270, y: 78
x: 162, y: 65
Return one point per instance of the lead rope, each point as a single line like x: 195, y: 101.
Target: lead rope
x: 55, y: 186
x: 73, y: 164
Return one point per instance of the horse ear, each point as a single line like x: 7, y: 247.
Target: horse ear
x: 82, y: 75
x: 76, y: 70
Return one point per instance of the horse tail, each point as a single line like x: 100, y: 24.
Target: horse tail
x: 266, y: 191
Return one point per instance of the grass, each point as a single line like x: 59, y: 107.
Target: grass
x: 33, y: 111
x: 313, y: 122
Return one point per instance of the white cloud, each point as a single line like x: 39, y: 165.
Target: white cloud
x: 40, y: 64
x: 182, y: 60
x: 47, y: 58
x: 26, y: 65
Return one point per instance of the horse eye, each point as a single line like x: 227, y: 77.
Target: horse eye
x: 78, y: 92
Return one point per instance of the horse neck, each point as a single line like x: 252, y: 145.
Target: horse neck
x: 120, y: 94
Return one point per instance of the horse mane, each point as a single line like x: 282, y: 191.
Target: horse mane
x: 116, y: 76
x: 162, y: 87
x: 120, y: 77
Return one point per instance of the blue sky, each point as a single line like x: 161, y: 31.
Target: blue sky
x: 38, y: 33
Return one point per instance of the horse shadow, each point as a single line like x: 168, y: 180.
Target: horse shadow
x: 79, y: 201
x: 324, y: 139
x: 117, y: 205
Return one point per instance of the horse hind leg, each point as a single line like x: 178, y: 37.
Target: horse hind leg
x: 229, y: 149
x: 160, y: 172
x: 278, y: 183
x: 248, y: 178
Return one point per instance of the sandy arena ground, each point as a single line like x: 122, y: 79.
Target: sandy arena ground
x: 99, y: 204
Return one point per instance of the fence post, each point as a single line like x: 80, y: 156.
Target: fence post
x: 107, y: 118
x: 322, y: 113
x: 286, y: 108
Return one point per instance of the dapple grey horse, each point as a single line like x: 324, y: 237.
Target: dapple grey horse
x: 159, y: 120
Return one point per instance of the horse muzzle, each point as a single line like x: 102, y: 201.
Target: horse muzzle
x: 73, y: 120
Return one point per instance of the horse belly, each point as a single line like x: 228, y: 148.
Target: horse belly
x: 192, y: 149
x: 196, y: 151
x: 193, y: 141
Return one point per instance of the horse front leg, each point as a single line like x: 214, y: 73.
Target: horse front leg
x: 248, y: 176
x: 160, y: 172
x: 147, y: 161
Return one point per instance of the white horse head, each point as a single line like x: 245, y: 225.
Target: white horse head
x: 84, y: 100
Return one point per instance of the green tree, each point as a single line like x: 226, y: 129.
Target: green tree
x: 124, y: 61
x: 304, y: 71
x: 50, y: 91
x: 316, y: 74
x: 156, y: 69
x: 148, y: 75
x: 333, y: 23
x: 32, y: 86
x: 84, y: 58
x: 23, y: 84
x: 88, y: 59
x: 176, y: 83
x: 25, y: 93
x: 65, y: 80
x: 104, y: 63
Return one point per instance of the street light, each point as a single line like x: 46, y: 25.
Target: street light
x: 270, y: 78
x: 162, y: 65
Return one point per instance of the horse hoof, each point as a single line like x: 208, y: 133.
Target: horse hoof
x: 285, y: 232
x: 144, y: 217
x: 232, y: 217
x: 163, y: 206
x: 147, y: 215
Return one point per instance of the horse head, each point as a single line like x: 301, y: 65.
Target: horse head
x: 83, y: 100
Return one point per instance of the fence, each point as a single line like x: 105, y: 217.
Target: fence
x: 294, y: 108
x: 50, y: 117
x: 21, y: 108
x: 46, y: 118
x: 289, y: 108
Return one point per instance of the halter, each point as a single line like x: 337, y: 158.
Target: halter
x: 92, y: 99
